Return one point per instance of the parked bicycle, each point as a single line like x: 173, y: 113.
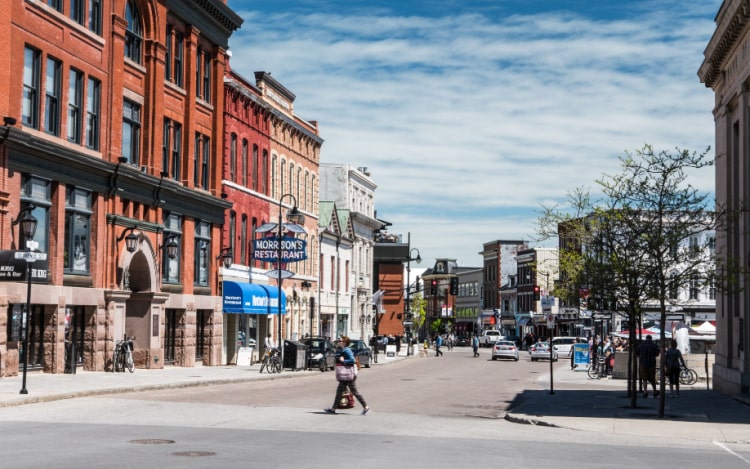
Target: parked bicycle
x: 271, y: 361
x: 597, y: 369
x: 688, y: 376
x: 123, y: 355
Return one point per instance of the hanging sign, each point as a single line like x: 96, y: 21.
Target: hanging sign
x: 292, y: 249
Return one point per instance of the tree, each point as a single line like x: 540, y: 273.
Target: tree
x: 668, y: 216
x: 642, y: 241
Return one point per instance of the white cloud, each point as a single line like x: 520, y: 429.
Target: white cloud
x: 468, y: 122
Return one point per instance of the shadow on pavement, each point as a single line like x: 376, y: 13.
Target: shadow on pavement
x: 693, y: 405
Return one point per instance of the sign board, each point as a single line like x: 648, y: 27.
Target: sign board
x: 581, y: 356
x: 550, y: 321
x: 390, y: 351
x: 13, y: 266
x: 244, y: 356
x: 292, y: 249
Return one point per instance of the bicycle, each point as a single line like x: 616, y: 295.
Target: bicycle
x: 597, y: 370
x: 688, y: 376
x: 271, y: 362
x: 123, y: 356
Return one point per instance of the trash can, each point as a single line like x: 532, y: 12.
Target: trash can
x: 294, y: 355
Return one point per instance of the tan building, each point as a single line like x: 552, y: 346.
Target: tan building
x: 726, y: 70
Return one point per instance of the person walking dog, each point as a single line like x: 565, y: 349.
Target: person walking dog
x: 346, y: 375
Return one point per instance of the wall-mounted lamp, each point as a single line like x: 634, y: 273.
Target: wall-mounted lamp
x: 226, y: 257
x: 306, y: 285
x: 9, y: 121
x: 171, y: 245
x: 27, y: 221
x: 131, y: 240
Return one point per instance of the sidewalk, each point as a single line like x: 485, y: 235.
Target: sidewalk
x: 602, y: 405
x: 44, y: 387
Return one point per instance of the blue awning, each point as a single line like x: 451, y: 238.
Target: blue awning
x: 250, y: 298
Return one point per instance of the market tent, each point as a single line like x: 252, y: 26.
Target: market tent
x: 654, y: 333
x: 706, y: 328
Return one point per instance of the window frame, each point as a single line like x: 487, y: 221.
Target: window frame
x: 75, y: 105
x: 52, y: 96
x: 133, y: 33
x: 171, y: 267
x: 134, y: 125
x: 93, y: 112
x: 202, y: 247
x: 77, y: 209
x: 31, y: 86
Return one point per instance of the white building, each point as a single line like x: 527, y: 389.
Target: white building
x: 353, y: 192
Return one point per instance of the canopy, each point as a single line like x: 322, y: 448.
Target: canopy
x: 706, y: 328
x: 251, y: 298
x: 643, y: 333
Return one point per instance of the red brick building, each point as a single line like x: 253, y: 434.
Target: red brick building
x: 271, y: 160
x: 112, y: 132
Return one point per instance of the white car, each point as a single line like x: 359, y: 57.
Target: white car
x: 540, y: 351
x: 563, y: 344
x: 505, y: 349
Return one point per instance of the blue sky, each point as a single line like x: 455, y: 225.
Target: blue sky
x: 471, y: 115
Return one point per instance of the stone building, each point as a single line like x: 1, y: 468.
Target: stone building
x: 726, y: 70
x: 111, y: 140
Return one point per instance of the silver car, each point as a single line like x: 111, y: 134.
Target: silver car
x: 540, y: 351
x: 505, y: 349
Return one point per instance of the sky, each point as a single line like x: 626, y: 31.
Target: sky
x: 472, y: 115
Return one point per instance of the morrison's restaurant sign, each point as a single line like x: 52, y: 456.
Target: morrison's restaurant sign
x: 292, y: 249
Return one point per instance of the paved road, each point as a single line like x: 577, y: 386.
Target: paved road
x: 430, y: 412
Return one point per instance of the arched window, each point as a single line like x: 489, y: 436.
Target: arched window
x: 134, y: 33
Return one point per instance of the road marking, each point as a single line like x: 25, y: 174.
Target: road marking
x: 722, y: 446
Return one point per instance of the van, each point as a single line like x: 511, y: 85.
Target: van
x: 563, y: 344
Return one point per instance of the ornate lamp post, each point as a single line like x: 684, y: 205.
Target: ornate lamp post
x: 296, y: 218
x: 28, y: 228
x: 418, y: 260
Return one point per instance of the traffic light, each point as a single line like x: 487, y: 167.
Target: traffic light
x: 537, y: 294
x: 433, y: 287
x: 454, y: 286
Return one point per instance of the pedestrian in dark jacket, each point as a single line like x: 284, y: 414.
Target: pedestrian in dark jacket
x: 345, y: 358
x: 647, y: 352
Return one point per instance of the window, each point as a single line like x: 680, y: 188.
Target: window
x: 333, y: 272
x: 693, y: 288
x: 76, y: 255
x: 52, y: 88
x: 243, y: 240
x: 202, y: 152
x: 174, y: 58
x: 134, y: 33
x: 232, y: 231
x: 264, y: 175
x: 75, y: 96
x: 56, y: 4
x: 92, y: 113
x: 131, y: 131
x: 171, y: 149
x: 30, y: 102
x: 203, y: 75
x: 77, y: 13
x: 95, y: 16
x: 173, y: 230
x: 255, y: 167
x: 37, y: 191
x: 202, y: 244
x: 244, y: 162
x: 232, y: 156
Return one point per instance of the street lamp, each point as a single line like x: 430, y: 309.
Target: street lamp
x: 28, y: 228
x: 226, y: 257
x: 294, y: 217
x: 418, y: 259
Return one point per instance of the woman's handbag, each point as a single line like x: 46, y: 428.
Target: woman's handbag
x: 345, y: 373
x: 346, y: 401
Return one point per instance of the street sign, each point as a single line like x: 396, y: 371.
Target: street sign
x: 30, y: 256
x: 274, y: 274
x: 408, y: 323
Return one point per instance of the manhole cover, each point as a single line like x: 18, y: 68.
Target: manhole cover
x: 194, y: 454
x: 152, y: 441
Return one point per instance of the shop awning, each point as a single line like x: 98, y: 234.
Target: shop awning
x: 251, y: 298
x: 522, y: 322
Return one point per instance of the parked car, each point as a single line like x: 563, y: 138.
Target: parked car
x: 361, y: 351
x: 563, y: 344
x: 321, y: 353
x: 489, y: 337
x: 540, y: 351
x: 505, y: 349
x: 243, y: 341
x: 463, y: 342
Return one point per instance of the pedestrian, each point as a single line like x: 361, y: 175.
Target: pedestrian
x: 438, y: 344
x: 475, y: 345
x: 345, y: 359
x: 647, y: 352
x: 673, y: 366
x: 269, y: 344
x: 571, y: 355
